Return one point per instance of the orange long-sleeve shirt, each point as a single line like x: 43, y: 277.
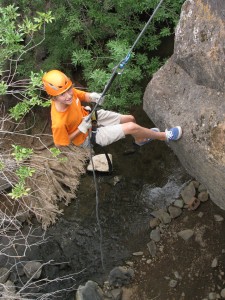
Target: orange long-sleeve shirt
x: 65, y: 123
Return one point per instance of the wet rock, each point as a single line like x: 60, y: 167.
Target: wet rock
x: 186, y: 234
x: 33, y: 269
x: 188, y: 192
x: 152, y: 248
x: 89, y: 291
x: 165, y: 218
x: 120, y: 276
x: 213, y: 296
x: 174, y: 211
x: 214, y: 263
x: 179, y: 203
x: 218, y: 218
x: 139, y: 253
x: 173, y: 283
x: 154, y: 222
x: 155, y: 235
x: 116, y: 294
x: 193, y: 204
x: 9, y: 291
x: 4, y: 275
x: 203, y: 196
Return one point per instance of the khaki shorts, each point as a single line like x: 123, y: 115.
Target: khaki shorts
x: 109, y: 128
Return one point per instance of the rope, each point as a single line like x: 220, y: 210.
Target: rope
x: 124, y: 61
x: 120, y: 67
x: 96, y: 207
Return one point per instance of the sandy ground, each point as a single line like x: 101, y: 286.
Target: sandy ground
x: 192, y: 269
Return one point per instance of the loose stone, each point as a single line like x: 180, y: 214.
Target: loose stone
x: 186, y: 234
x: 203, y: 196
x: 173, y: 283
x: 152, y: 248
x: 174, y: 212
x: 179, y: 203
x: 222, y: 293
x: 188, y: 192
x: 212, y: 296
x: 154, y: 222
x: 140, y: 253
x: 4, y: 274
x: 33, y: 269
x: 214, y: 263
x: 155, y: 235
x: 218, y: 218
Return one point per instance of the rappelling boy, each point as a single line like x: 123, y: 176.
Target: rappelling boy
x: 70, y: 121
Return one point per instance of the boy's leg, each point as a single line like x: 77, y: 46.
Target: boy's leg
x: 140, y: 134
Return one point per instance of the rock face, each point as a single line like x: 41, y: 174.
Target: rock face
x: 189, y: 91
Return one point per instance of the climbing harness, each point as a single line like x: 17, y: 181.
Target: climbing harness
x: 118, y: 70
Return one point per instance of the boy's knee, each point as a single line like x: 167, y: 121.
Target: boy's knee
x: 130, y: 127
x: 127, y: 119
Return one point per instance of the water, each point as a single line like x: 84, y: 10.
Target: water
x: 141, y: 182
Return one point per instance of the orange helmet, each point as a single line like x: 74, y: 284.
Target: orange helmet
x: 55, y: 82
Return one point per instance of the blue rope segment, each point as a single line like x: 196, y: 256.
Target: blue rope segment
x: 124, y: 61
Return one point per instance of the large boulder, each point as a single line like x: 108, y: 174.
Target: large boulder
x: 189, y: 91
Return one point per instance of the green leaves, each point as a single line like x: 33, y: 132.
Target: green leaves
x: 56, y: 154
x: 20, y: 153
x: 19, y: 190
x: 23, y: 172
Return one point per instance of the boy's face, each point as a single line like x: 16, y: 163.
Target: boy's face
x: 66, y: 97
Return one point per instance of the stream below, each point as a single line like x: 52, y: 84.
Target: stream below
x: 95, y: 234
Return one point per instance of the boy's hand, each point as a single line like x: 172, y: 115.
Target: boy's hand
x: 85, y: 124
x: 94, y: 97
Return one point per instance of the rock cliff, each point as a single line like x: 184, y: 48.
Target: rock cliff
x: 189, y: 91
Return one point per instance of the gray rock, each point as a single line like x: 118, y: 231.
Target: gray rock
x: 116, y: 294
x: 9, y: 291
x: 152, y: 248
x: 203, y: 196
x: 188, y: 192
x: 120, y: 276
x: 165, y: 218
x: 139, y: 253
x: 213, y: 296
x: 33, y: 269
x: 218, y: 218
x: 89, y: 291
x: 155, y: 235
x: 214, y: 263
x: 189, y: 91
x: 186, y: 234
x: 222, y: 293
x: 154, y: 222
x: 4, y: 275
x: 173, y: 283
x: 179, y: 203
x: 174, y: 211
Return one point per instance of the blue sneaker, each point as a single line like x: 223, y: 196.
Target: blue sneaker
x: 173, y: 134
x: 146, y: 141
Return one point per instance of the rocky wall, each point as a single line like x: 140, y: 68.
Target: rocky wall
x: 189, y: 91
